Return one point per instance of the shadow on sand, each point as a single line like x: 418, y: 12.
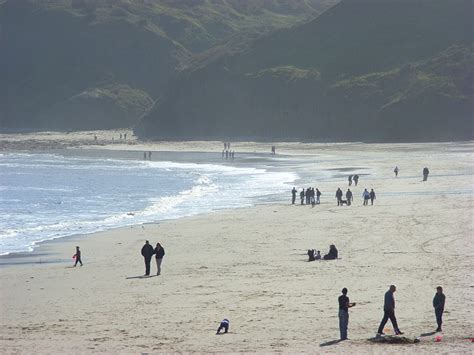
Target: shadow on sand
x: 139, y: 277
x: 331, y: 342
x: 427, y: 334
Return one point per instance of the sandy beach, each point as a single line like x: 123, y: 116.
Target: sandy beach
x: 250, y: 264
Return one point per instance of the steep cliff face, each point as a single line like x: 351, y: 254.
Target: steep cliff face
x: 364, y: 70
x: 56, y: 52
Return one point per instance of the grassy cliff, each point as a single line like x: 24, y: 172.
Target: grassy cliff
x: 393, y: 70
x: 56, y: 53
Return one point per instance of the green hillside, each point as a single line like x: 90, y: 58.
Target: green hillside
x: 61, y: 57
x: 368, y: 70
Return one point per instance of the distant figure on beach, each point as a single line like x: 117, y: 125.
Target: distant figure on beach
x: 332, y: 254
x: 273, y: 150
x: 120, y: 136
x: 389, y: 312
x: 396, y: 170
x: 125, y: 136
x: 349, y: 197
x: 339, y: 196
x: 318, y: 196
x: 425, y: 173
x: 438, y: 304
x: 226, y: 155
x: 293, y: 196
x: 356, y: 179
x: 302, y: 196
x: 311, y: 255
x: 350, y: 180
x: 95, y: 137
x: 308, y: 195
x: 149, y: 155
x: 317, y: 256
x: 372, y: 196
x: 147, y: 253
x: 232, y: 155
x: 144, y: 155
x: 312, y: 197
x: 159, y: 254
x: 223, y: 326
x: 344, y: 306
x: 366, y: 197
x: 77, y: 256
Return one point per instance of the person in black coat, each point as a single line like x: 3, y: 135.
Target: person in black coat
x: 159, y: 254
x: 332, y: 255
x: 438, y: 304
x: 147, y: 253
x: 389, y: 312
x: 293, y: 196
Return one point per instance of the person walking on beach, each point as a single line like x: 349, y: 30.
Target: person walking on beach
x: 147, y: 253
x: 350, y: 180
x: 344, y: 306
x: 372, y: 196
x: 356, y: 179
x: 366, y: 196
x: 144, y: 155
x: 159, y: 254
x: 396, y: 171
x: 389, y: 312
x: 349, y: 197
x: 149, y: 155
x: 438, y: 304
x: 302, y: 196
x: 425, y: 173
x: 77, y: 256
x: 339, y: 196
x: 293, y: 196
x: 318, y: 196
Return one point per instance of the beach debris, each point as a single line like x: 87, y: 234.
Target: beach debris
x: 393, y: 339
x: 438, y: 338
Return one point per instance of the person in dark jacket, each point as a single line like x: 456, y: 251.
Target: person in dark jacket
x: 293, y: 196
x: 159, y: 254
x: 344, y: 306
x: 425, y: 173
x: 332, y: 255
x: 318, y: 196
x: 78, y: 257
x: 147, y: 253
x: 356, y: 179
x: 349, y: 197
x: 339, y: 196
x: 350, y: 180
x: 438, y: 304
x: 372, y: 196
x: 389, y: 312
x: 223, y: 326
x: 302, y: 196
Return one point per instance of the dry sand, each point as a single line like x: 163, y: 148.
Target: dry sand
x: 249, y: 265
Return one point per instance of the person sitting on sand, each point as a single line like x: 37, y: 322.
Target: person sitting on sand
x: 332, y: 255
x: 311, y: 255
x: 78, y: 257
x: 223, y: 326
x: 318, y: 255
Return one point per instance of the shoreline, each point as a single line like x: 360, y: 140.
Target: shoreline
x: 250, y: 265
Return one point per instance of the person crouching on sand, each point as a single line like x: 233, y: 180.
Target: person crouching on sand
x: 78, y: 257
x: 223, y: 326
x: 159, y: 254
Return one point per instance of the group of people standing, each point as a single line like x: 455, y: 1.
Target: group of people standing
x: 388, y: 311
x: 311, y: 196
x: 148, y: 251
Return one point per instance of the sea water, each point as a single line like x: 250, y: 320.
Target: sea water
x: 48, y: 196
